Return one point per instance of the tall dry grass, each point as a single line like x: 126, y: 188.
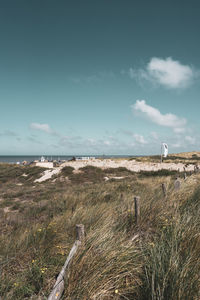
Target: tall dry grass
x: 159, y: 259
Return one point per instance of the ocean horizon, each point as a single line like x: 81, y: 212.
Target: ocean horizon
x: 31, y: 158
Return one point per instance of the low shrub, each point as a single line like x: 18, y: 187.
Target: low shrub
x: 66, y: 171
x: 88, y: 174
x: 162, y: 172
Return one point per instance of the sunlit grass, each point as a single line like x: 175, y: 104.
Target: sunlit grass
x: 157, y: 260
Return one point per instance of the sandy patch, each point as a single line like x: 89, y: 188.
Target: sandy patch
x: 77, y: 171
x: 113, y: 177
x: 47, y: 174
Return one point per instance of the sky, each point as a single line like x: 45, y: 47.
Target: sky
x: 115, y: 77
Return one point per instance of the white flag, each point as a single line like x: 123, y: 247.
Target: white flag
x: 165, y: 147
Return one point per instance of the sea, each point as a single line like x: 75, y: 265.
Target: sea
x: 30, y: 158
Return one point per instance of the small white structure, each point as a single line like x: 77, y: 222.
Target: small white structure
x: 85, y: 158
x: 164, y: 151
x: 165, y: 146
x: 42, y: 159
x: 44, y: 164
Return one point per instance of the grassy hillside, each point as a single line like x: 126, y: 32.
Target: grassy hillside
x: 158, y: 259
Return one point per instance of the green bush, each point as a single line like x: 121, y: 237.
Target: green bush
x: 88, y: 174
x: 162, y: 172
x: 66, y: 171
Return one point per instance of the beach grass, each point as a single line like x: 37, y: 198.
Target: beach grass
x: 158, y: 258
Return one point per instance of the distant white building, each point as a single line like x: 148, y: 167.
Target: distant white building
x: 43, y: 163
x: 85, y: 158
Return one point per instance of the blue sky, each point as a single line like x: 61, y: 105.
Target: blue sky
x: 99, y: 77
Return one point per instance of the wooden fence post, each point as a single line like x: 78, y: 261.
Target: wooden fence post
x: 58, y: 288
x: 177, y: 184
x: 80, y: 232
x: 137, y: 209
x: 164, y: 189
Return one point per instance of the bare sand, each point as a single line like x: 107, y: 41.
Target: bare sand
x: 130, y: 165
x: 47, y: 174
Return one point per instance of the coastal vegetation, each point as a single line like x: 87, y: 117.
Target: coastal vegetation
x: 185, y: 157
x: 156, y: 259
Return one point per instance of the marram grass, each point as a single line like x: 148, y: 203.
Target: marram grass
x: 158, y: 259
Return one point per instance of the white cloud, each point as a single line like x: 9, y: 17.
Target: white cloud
x: 140, y: 139
x: 153, y: 114
x: 166, y: 72
x: 43, y: 127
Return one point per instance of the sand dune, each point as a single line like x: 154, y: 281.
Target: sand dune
x: 130, y: 165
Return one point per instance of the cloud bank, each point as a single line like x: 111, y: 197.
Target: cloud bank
x: 154, y: 115
x: 167, y: 72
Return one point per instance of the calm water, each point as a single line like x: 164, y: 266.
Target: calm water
x: 29, y: 158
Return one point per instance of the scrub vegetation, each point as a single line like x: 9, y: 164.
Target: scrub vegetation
x: 158, y: 259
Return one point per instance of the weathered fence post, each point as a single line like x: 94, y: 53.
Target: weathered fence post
x: 177, y: 184
x: 80, y: 232
x: 164, y: 189
x: 185, y: 175
x: 137, y: 209
x: 58, y: 288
